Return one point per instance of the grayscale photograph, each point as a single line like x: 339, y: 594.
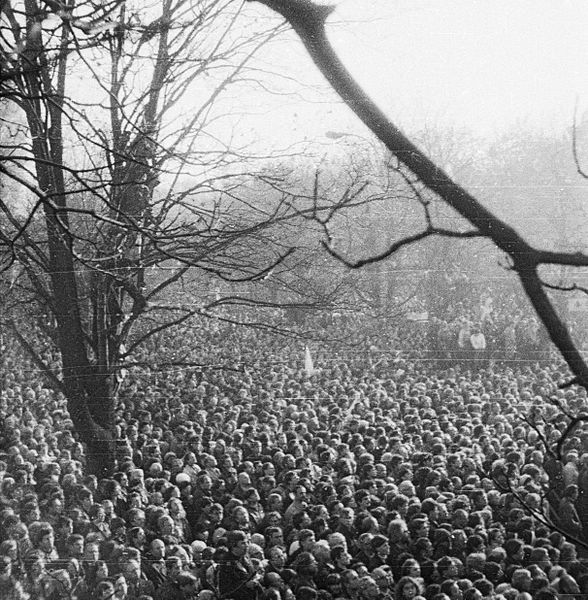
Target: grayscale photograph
x: 293, y: 300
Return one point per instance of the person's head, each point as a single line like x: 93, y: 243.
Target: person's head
x: 406, y: 588
x: 334, y: 584
x: 75, y: 545
x: 173, y: 567
x: 60, y: 584
x: 567, y: 585
x: 187, y: 583
x: 165, y: 525
x: 411, y: 568
x: 340, y: 556
x: 85, y: 498
x: 44, y: 538
x: 137, y: 537
x: 241, y: 516
x: 450, y: 588
x: 546, y: 594
x: 157, y: 549
x: 98, y: 571
x: 568, y: 553
x: 540, y: 556
x: 495, y: 537
x: 34, y: 563
x: 64, y: 526
x: 132, y: 570
x: 121, y: 587
x: 215, y: 512
x: 306, y: 565
x: 306, y: 592
x: 238, y: 543
x: 380, y: 546
x: 118, y: 529
x: 274, y: 536
x: 475, y: 563
x: 136, y: 517
x: 306, y: 540
x: 204, y: 482
x: 276, y: 557
x: 472, y: 593
x: 447, y: 568
x: 275, y: 503
x: 30, y: 513
x: 97, y: 513
x: 347, y: 576
x: 383, y: 578
x: 9, y: 548
x: 252, y: 497
x: 515, y: 550
x: 74, y: 568
x: 364, y: 542
x: 521, y: 580
x: 104, y: 590
x: 369, y: 588
x: 571, y: 492
x: 300, y: 493
x: 346, y: 516
x: 5, y: 567
x: 273, y: 579
x: 397, y: 531
x: 54, y: 507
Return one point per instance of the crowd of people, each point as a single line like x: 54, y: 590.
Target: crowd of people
x: 376, y: 477
x: 488, y: 329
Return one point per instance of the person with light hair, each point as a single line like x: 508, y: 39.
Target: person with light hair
x: 61, y: 586
x: 567, y: 513
x: 570, y: 472
x: 337, y: 539
x: 521, y: 580
x: 369, y: 589
x: 384, y: 580
x: 10, y: 587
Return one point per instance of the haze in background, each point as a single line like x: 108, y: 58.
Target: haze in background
x: 483, y: 65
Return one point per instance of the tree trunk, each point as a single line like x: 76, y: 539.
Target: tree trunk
x: 90, y: 397
x: 96, y: 435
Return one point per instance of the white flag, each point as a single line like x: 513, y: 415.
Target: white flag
x: 308, y: 366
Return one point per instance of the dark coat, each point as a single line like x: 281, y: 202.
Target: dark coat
x: 233, y: 575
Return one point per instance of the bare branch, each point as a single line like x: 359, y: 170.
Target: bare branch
x: 570, y: 428
x: 53, y: 379
x: 575, y: 145
x: 406, y: 241
x: 308, y: 20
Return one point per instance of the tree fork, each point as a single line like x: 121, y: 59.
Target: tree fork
x: 308, y: 21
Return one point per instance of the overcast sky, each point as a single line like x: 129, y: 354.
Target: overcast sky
x: 484, y: 65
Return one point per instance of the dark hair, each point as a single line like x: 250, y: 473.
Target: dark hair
x: 304, y: 534
x: 305, y: 592
x: 102, y: 587
x: 513, y: 546
x: 545, y: 594
x: 40, y: 532
x: 234, y: 537
x: 485, y: 586
x: 337, y: 552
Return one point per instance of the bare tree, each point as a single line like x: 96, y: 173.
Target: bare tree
x: 525, y: 259
x: 119, y: 193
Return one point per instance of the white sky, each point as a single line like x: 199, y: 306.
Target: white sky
x: 484, y: 65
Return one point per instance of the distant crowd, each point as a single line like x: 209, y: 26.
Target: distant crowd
x: 373, y: 477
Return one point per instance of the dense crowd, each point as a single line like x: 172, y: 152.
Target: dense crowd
x: 376, y: 477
